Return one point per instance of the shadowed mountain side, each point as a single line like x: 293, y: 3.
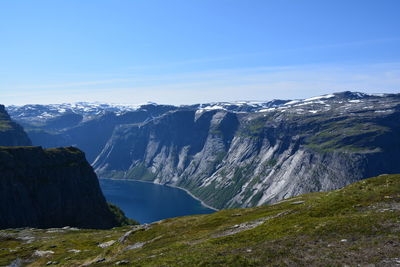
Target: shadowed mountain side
x: 50, y: 188
x: 11, y: 134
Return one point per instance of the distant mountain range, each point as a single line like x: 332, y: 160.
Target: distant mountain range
x: 235, y: 154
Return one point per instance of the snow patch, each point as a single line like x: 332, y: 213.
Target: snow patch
x: 382, y: 111
x: 319, y: 97
x: 267, y: 109
x: 292, y: 102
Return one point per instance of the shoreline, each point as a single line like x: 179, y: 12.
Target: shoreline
x: 173, y: 186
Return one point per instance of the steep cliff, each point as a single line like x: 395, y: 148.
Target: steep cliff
x: 243, y: 159
x: 11, y: 134
x: 50, y: 188
x: 48, y: 126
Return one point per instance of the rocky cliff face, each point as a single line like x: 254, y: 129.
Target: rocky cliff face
x: 89, y: 128
x: 11, y: 134
x: 242, y: 159
x: 237, y: 154
x: 50, y: 188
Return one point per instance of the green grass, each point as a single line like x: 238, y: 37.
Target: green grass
x: 140, y: 172
x: 365, y: 215
x: 120, y: 216
x: 253, y: 128
x: 347, y: 135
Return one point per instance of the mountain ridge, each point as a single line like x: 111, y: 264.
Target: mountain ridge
x: 243, y: 154
x: 245, y: 159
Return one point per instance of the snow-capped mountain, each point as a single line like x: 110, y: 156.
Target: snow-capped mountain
x: 39, y: 113
x: 230, y: 154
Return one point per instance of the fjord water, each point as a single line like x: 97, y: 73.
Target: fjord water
x: 148, y: 202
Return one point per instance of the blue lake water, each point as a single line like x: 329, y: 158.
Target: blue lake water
x: 147, y: 202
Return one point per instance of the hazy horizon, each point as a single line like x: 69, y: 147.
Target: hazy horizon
x: 190, y: 103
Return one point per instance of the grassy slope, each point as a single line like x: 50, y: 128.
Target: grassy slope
x: 359, y: 224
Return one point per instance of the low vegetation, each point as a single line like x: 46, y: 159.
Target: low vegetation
x: 359, y: 224
x: 120, y: 216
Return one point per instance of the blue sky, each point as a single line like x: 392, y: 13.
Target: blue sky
x: 181, y: 52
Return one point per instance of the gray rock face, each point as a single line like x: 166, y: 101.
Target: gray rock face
x: 243, y: 159
x: 50, y: 188
x: 88, y: 127
x: 11, y: 134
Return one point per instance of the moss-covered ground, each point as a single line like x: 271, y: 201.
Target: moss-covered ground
x: 359, y: 224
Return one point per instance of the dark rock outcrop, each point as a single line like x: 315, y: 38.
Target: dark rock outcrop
x: 50, y: 188
x: 11, y: 134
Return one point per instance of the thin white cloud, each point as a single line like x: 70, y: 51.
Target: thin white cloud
x: 196, y: 61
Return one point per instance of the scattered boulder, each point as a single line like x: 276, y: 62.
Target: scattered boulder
x: 107, y: 244
x: 43, y: 253
x: 122, y: 262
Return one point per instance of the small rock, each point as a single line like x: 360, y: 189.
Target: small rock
x: 27, y: 239
x: 100, y: 260
x: 146, y: 226
x: 136, y: 245
x: 343, y: 240
x: 49, y: 263
x: 16, y: 263
x: 74, y: 250
x: 122, y: 262
x: 125, y: 236
x: 248, y: 250
x: 43, y: 253
x: 55, y: 230
x: 107, y: 244
x: 296, y: 202
x: 70, y: 228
